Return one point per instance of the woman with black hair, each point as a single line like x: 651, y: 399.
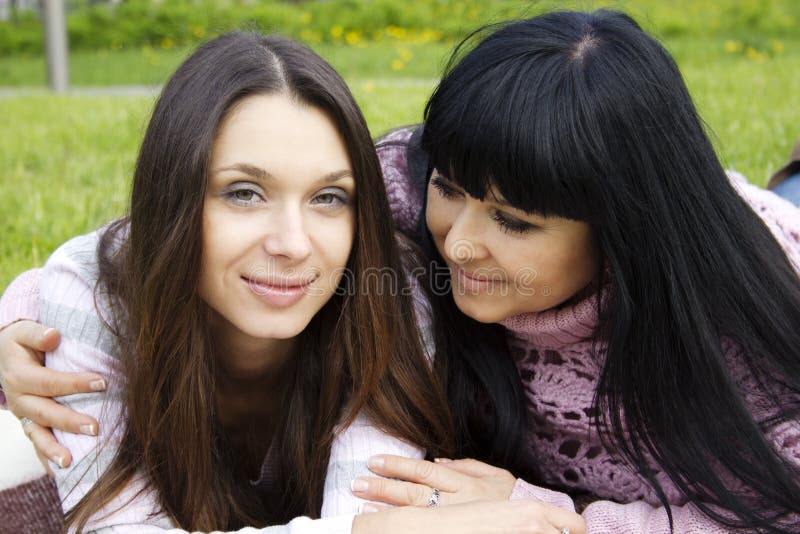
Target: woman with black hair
x: 614, y: 316
x: 649, y: 303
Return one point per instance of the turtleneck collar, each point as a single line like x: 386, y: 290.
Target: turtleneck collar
x: 553, y: 329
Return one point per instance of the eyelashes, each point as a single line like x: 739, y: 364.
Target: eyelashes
x: 507, y: 223
x: 511, y: 225
x: 445, y: 189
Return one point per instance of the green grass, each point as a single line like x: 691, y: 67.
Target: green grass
x: 151, y: 66
x: 65, y: 161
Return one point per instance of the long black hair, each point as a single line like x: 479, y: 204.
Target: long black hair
x: 584, y: 116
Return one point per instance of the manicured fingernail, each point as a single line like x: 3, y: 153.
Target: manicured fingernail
x: 376, y: 461
x: 368, y: 508
x: 442, y: 460
x: 89, y: 430
x: 97, y: 385
x: 359, y: 485
x: 59, y: 461
x: 47, y: 332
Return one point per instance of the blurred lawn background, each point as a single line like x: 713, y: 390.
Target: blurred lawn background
x: 65, y: 161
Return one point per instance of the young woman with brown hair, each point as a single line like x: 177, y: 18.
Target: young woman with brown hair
x: 228, y: 308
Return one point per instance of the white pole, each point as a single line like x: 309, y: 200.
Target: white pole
x: 55, y: 38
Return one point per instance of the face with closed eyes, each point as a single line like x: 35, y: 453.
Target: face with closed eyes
x: 504, y: 261
x: 278, y: 218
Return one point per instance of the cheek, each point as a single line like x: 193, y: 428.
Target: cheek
x: 334, y: 240
x: 569, y: 265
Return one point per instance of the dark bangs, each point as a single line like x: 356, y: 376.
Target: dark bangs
x: 507, y: 116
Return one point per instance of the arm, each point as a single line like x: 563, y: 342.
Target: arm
x: 410, y: 482
x: 25, y: 385
x: 639, y: 516
x: 349, y: 455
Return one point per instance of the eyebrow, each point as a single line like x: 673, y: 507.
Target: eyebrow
x: 263, y: 175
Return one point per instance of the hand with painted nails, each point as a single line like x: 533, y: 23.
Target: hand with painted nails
x: 479, y: 517
x: 29, y: 387
x: 410, y: 482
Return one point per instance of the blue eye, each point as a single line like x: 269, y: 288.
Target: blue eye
x: 445, y: 190
x: 512, y: 225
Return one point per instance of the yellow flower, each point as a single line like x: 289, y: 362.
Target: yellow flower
x: 337, y: 31
x: 166, y: 42
x: 406, y: 55
x: 198, y: 31
x: 777, y: 47
x: 305, y: 18
x: 352, y: 37
x: 732, y: 46
x: 369, y: 87
x: 755, y: 55
x: 396, y: 32
x: 398, y: 64
x: 431, y: 35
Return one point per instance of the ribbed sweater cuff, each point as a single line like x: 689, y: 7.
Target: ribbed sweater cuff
x: 32, y: 507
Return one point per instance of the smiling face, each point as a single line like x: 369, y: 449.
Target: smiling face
x: 504, y: 261
x: 278, y: 218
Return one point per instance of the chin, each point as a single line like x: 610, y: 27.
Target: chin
x: 478, y: 311
x: 273, y: 331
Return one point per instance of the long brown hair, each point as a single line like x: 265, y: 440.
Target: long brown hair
x: 361, y: 353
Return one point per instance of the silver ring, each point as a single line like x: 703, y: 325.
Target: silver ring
x: 25, y: 421
x: 433, y: 502
x: 564, y: 530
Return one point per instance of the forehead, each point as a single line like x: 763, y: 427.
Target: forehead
x: 281, y: 135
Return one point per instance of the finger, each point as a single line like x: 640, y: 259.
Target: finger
x: 44, y: 382
x: 35, y: 336
x: 46, y: 445
x: 395, y: 492
x: 473, y: 468
x: 419, y: 471
x: 48, y: 413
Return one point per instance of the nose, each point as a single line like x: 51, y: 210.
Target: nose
x: 464, y: 242
x: 289, y: 237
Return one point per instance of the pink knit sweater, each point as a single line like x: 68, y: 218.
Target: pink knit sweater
x: 560, y: 375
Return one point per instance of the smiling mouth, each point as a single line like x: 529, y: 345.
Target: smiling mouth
x: 475, y: 278
x: 280, y: 284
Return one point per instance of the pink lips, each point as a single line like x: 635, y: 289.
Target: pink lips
x: 279, y: 292
x: 474, y: 283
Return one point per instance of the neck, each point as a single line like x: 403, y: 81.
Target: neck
x: 244, y: 360
x: 251, y: 383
